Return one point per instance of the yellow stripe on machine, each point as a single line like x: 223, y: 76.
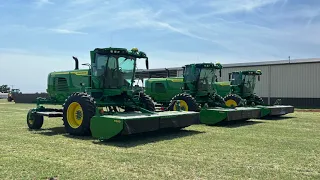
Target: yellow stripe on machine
x: 79, y: 73
x: 176, y: 80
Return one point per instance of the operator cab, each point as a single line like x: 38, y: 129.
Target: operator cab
x: 246, y: 80
x: 15, y: 91
x: 200, y: 76
x: 115, y: 67
x: 116, y: 70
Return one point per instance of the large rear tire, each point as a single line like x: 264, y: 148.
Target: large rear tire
x: 78, y: 110
x: 145, y: 101
x: 233, y: 100
x: 218, y: 101
x: 187, y: 103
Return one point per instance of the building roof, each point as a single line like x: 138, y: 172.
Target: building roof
x: 266, y: 63
x: 263, y: 63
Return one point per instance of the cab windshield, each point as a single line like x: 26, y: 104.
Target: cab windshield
x: 126, y: 66
x: 116, y: 70
x: 235, y: 78
x: 249, y: 82
x: 206, y: 78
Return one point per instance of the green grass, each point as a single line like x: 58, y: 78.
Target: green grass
x: 258, y: 149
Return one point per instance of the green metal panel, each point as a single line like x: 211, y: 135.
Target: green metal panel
x: 265, y: 111
x: 72, y: 80
x: 223, y: 88
x: 105, y: 127
x: 171, y: 87
x: 212, y: 116
x: 276, y: 110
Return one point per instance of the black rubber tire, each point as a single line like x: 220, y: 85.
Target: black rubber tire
x: 147, y: 102
x: 37, y: 120
x: 89, y: 109
x: 235, y: 98
x: 10, y: 99
x: 191, y: 102
x: 258, y: 100
x: 218, y: 101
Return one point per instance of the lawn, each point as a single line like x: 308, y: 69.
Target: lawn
x: 287, y: 148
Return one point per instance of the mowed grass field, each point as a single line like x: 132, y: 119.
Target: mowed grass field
x: 287, y: 148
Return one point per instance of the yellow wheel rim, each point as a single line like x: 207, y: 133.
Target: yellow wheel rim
x: 231, y: 103
x: 183, y: 106
x: 74, y: 115
x: 31, y: 121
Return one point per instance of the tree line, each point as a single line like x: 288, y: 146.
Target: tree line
x: 4, y: 89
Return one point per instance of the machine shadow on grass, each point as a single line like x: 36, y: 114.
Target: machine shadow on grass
x: 236, y: 124
x: 59, y: 131
x: 125, y: 141
x: 277, y: 118
x: 134, y: 140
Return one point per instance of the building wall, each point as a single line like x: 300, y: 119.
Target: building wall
x: 297, y: 80
x: 296, y: 84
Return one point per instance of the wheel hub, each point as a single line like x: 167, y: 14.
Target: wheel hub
x: 78, y: 115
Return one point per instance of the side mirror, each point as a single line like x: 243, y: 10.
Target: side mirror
x: 183, y: 70
x: 259, y: 78
x: 86, y: 64
x: 147, y: 63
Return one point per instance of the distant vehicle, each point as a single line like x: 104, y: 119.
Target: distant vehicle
x: 10, y: 94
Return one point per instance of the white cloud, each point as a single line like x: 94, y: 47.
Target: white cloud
x: 231, y: 6
x: 236, y: 36
x: 40, y: 3
x: 66, y: 31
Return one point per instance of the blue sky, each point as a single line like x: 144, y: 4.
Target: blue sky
x: 40, y: 36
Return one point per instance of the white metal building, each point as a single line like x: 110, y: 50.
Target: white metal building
x: 296, y: 82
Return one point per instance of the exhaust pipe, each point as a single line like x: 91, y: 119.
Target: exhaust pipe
x: 76, y: 63
x: 168, y: 72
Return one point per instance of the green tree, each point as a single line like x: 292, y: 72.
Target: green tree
x: 4, y: 88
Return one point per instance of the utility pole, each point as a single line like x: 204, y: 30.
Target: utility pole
x: 289, y: 59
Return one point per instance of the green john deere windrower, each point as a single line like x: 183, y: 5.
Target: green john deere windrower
x: 195, y: 92
x: 240, y: 88
x: 101, y: 101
